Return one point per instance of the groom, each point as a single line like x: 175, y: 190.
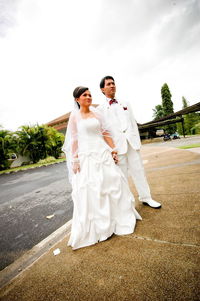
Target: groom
x: 127, y: 140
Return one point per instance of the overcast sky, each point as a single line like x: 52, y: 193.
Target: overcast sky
x: 48, y: 47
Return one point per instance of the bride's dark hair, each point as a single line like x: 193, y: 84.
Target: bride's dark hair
x: 78, y: 91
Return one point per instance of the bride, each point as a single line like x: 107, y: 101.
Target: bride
x: 103, y: 203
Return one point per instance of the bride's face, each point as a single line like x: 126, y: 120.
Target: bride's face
x: 85, y: 99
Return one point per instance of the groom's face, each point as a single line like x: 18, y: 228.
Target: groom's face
x: 109, y: 88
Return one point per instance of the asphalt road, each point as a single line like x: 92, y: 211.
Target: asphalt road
x: 26, y: 198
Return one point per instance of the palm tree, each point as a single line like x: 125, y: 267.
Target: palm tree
x: 54, y: 142
x: 32, y: 142
x: 8, y: 146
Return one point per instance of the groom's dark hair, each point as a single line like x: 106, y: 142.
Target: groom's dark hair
x: 102, y: 82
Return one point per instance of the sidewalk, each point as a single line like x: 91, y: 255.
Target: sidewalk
x: 195, y: 150
x: 159, y: 261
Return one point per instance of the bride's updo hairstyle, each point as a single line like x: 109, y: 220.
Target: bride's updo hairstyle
x: 78, y: 91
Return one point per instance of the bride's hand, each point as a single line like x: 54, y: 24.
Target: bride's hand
x: 76, y: 167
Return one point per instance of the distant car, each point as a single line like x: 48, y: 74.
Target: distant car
x: 167, y: 137
x: 175, y: 136
x: 13, y: 156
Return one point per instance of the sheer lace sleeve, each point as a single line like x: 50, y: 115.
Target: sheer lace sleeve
x: 70, y: 146
x: 72, y: 128
x: 71, y: 137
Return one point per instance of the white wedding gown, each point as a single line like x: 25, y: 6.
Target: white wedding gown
x: 103, y: 203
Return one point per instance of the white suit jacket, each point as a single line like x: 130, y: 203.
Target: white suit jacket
x: 122, y: 125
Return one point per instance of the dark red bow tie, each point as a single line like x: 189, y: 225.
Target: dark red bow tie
x: 112, y: 101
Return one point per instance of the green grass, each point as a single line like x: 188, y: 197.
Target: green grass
x: 189, y: 146
x: 32, y: 165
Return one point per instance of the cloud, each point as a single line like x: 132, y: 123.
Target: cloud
x: 144, y: 33
x: 122, y: 21
x: 180, y: 30
x: 8, y: 12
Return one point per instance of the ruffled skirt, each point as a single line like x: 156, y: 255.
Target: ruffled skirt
x: 103, y: 202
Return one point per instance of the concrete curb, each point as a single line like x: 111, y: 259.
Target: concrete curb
x: 30, y: 257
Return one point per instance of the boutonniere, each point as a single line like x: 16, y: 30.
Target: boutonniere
x: 125, y: 108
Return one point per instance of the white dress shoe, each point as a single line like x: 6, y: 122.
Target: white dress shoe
x: 152, y: 203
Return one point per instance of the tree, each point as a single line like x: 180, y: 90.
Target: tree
x: 8, y: 146
x: 196, y: 129
x: 190, y: 120
x: 167, y: 105
x: 40, y: 141
x: 54, y: 142
x: 185, y: 103
x: 32, y: 142
x: 37, y: 142
x: 158, y: 112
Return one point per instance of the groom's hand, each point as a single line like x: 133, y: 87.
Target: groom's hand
x: 115, y: 157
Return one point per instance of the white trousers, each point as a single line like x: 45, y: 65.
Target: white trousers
x: 131, y: 163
